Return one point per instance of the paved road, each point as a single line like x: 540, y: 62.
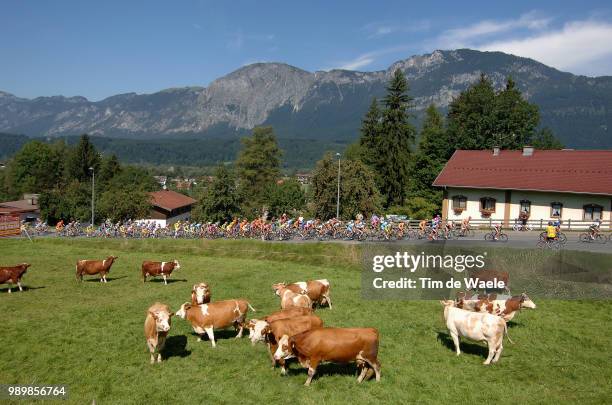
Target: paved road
x: 522, y: 240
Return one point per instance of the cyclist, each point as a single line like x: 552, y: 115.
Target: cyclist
x: 448, y: 227
x: 551, y: 231
x: 465, y: 225
x: 497, y: 228
x: 375, y: 221
x: 523, y: 217
x: 594, y: 228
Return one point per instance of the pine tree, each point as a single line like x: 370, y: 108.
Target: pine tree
x: 470, y: 117
x: 220, y: 202
x: 370, y: 135
x: 429, y: 159
x: 82, y: 157
x: 396, y: 139
x: 258, y: 166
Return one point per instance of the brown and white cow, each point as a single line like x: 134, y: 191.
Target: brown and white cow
x: 504, y: 306
x: 317, y: 290
x: 200, y: 294
x: 477, y: 326
x: 156, y: 327
x: 12, y: 275
x: 215, y: 315
x: 155, y: 269
x: 91, y: 267
x: 274, y: 331
x: 256, y: 326
x: 338, y: 345
x: 290, y: 298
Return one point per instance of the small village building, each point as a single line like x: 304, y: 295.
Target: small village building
x: 574, y: 186
x: 168, y: 207
x: 27, y: 208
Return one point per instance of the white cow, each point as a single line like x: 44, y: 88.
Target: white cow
x: 477, y: 326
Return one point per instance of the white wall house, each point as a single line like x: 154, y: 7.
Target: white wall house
x: 573, y: 186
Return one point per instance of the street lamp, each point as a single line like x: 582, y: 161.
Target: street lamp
x: 93, y: 195
x: 338, y: 198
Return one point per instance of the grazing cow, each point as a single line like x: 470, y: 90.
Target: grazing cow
x: 156, y: 327
x: 200, y: 294
x: 338, y: 345
x: 256, y: 326
x: 476, y: 326
x: 274, y: 331
x: 492, y: 275
x: 91, y: 267
x: 291, y: 299
x: 215, y: 315
x: 12, y: 275
x: 504, y: 306
x: 317, y: 290
x: 155, y: 269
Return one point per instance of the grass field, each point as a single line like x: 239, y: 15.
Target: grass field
x: 90, y: 336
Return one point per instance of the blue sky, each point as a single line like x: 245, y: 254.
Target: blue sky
x: 98, y: 49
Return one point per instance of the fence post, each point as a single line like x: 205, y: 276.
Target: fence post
x: 541, y: 223
x: 569, y: 224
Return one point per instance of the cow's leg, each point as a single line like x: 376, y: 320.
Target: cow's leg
x: 159, y: 358
x: 105, y: 278
x: 455, y: 337
x: 491, y: 353
x: 240, y: 327
x: 312, y: 369
x: 376, y: 366
x: 271, y: 350
x: 283, y: 364
x: 328, y: 299
x: 165, y: 279
x: 9, y: 287
x: 362, y: 375
x: 151, y: 351
x: 498, y: 350
x: 19, y: 285
x: 211, y: 336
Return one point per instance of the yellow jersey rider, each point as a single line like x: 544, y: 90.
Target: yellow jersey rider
x: 551, y: 231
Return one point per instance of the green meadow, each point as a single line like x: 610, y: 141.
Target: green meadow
x: 89, y: 336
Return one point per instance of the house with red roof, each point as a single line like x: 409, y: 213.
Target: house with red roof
x: 168, y: 207
x: 573, y: 186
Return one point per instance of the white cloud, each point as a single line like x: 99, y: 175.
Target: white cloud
x: 196, y: 26
x: 367, y: 58
x: 381, y: 29
x: 458, y: 37
x: 576, y: 46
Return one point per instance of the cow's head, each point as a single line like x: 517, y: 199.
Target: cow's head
x: 526, y: 302
x: 162, y: 320
x: 24, y: 267
x: 182, y: 312
x: 285, y: 348
x: 258, y: 329
x: 200, y: 290
x: 176, y: 264
x: 112, y: 258
x: 278, y: 287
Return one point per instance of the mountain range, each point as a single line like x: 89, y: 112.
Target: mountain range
x: 324, y: 105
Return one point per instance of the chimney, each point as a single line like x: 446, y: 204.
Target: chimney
x: 496, y: 151
x: 527, y: 150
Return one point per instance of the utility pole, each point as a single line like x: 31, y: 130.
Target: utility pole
x: 338, y: 199
x: 93, y: 193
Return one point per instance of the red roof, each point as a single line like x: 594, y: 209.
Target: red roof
x: 569, y: 171
x: 170, y: 200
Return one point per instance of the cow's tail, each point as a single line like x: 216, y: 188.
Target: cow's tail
x: 250, y: 307
x: 506, y: 332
